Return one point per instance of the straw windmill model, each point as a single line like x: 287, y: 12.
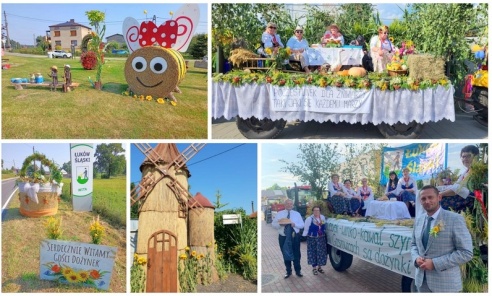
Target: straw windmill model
x: 167, y: 212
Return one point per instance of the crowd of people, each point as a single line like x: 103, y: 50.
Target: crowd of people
x: 435, y: 270
x: 343, y: 199
x: 380, y: 52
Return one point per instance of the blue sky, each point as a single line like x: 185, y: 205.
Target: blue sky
x: 17, y: 152
x: 230, y: 168
x: 28, y: 20
x: 271, y: 166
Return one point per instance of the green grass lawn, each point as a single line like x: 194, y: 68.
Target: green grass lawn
x: 108, y: 198
x: 21, y: 237
x: 86, y: 113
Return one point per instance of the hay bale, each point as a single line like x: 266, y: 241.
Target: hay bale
x: 423, y: 66
x: 154, y: 81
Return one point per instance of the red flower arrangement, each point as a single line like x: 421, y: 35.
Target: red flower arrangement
x: 88, y: 60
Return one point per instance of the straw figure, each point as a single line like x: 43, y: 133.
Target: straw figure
x: 54, y: 75
x: 155, y: 66
x: 67, y: 75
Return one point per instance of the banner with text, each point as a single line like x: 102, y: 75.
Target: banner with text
x: 77, y: 263
x: 82, y: 158
x: 388, y: 246
x: 423, y: 160
x: 318, y: 99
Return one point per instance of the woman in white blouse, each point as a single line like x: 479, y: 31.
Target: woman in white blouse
x: 352, y: 199
x: 457, y: 196
x: 407, y: 189
x: 366, y: 195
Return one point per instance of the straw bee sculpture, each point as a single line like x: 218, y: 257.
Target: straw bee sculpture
x: 155, y: 66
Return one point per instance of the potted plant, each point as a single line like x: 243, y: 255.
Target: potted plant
x: 38, y: 193
x: 96, y: 45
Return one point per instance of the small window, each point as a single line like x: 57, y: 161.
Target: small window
x: 73, y: 33
x: 57, y: 43
x: 57, y: 33
x: 73, y: 42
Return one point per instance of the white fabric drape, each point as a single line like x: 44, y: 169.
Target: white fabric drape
x: 403, y: 106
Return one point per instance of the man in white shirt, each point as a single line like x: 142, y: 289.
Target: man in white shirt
x: 294, y: 228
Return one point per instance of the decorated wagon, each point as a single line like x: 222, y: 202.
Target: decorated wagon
x: 399, y: 105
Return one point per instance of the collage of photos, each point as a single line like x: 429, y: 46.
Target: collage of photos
x: 244, y: 148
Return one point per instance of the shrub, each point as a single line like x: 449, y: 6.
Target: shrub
x: 88, y: 60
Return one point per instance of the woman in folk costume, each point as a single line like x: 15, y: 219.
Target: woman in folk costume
x: 407, y: 188
x: 336, y: 195
x: 366, y: 195
x: 353, y: 201
x: 314, y: 229
x: 392, y: 186
x: 382, y: 50
x: 457, y: 196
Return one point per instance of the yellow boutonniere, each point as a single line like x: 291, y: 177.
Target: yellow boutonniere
x: 437, y: 228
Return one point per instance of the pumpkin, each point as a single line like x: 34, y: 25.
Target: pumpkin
x: 357, y: 72
x: 343, y: 73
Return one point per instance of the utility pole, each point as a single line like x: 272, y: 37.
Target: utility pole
x: 7, y: 30
x: 252, y: 207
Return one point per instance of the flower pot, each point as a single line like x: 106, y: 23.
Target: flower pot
x: 44, y: 203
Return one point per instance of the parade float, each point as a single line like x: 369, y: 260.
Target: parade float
x: 412, y: 92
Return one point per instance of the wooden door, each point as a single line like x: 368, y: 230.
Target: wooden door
x: 162, y: 264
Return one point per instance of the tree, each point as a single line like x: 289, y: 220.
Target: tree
x: 198, y: 46
x: 110, y: 159
x: 67, y: 166
x: 357, y: 19
x: 217, y: 203
x: 315, y: 163
x: 440, y: 29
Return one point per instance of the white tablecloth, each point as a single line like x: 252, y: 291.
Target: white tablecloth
x: 403, y: 106
x: 330, y: 55
x: 388, y: 210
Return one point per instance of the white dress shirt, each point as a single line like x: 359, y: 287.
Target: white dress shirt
x: 294, y: 217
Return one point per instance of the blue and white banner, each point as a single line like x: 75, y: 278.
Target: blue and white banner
x: 423, y: 160
x: 320, y: 99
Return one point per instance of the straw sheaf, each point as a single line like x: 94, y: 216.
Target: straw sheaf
x: 240, y: 56
x: 31, y: 209
x: 201, y: 226
x: 156, y: 85
x: 425, y: 67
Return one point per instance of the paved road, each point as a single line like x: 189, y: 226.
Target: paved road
x: 360, y: 277
x: 464, y: 127
x: 8, y: 188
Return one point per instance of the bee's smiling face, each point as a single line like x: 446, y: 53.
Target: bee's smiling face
x: 147, y: 71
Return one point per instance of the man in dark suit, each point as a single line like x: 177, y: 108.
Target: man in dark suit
x: 441, y: 243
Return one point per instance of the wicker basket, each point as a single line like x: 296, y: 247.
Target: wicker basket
x: 47, y: 202
x: 398, y: 72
